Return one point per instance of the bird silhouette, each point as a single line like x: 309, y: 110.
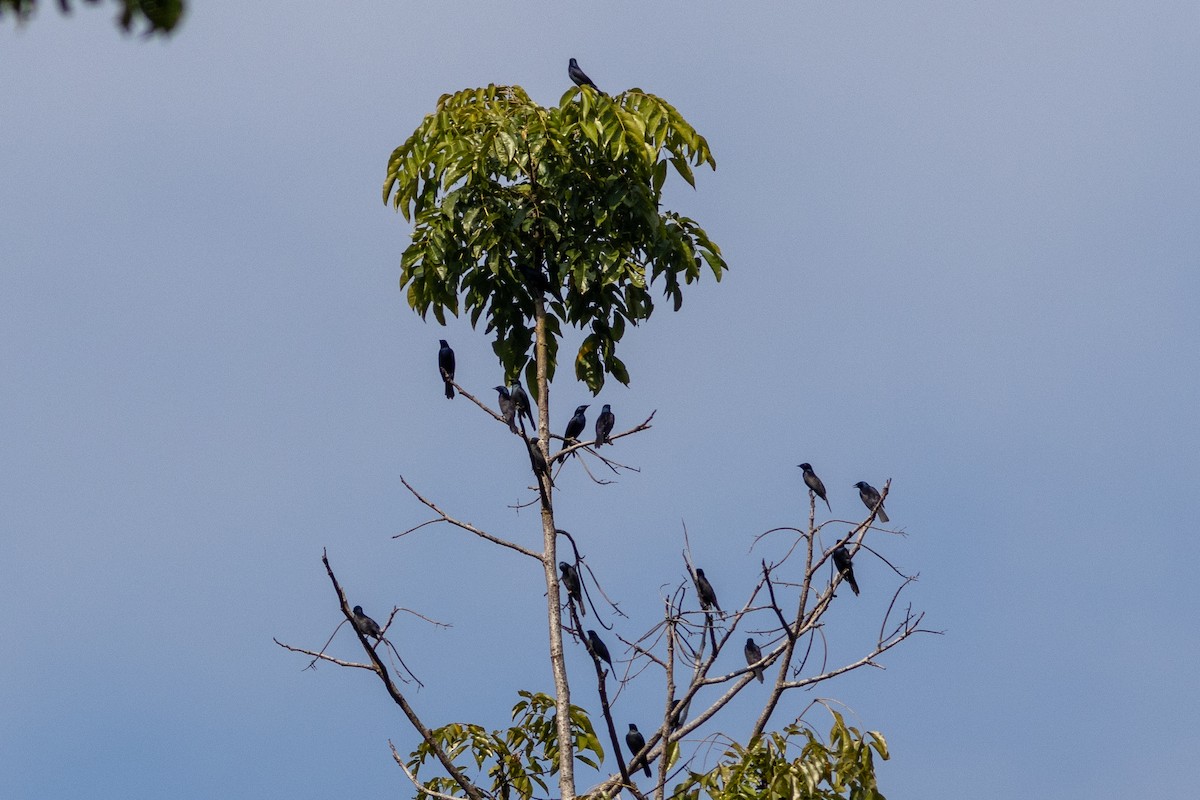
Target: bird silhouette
x: 570, y: 582
x: 521, y: 401
x: 508, y: 409
x: 604, y: 425
x: 366, y: 626
x: 575, y: 426
x: 844, y: 566
x: 704, y: 590
x: 753, y: 654
x: 870, y: 498
x: 814, y: 483
x: 636, y: 742
x: 446, y: 367
x: 579, y: 77
x: 598, y: 648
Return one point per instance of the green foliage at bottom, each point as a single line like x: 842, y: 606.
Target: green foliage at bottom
x: 769, y: 768
x: 510, y: 763
x: 793, y: 764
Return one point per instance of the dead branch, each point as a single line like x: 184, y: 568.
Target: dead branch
x: 466, y: 526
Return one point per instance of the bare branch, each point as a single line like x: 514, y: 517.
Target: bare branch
x: 466, y: 526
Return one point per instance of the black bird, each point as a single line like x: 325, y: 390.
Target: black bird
x: 813, y: 482
x: 870, y: 498
x: 570, y: 582
x: 537, y: 460
x: 576, y: 425
x: 841, y: 562
x: 753, y: 654
x: 598, y: 648
x: 446, y: 367
x: 508, y: 409
x: 366, y: 626
x: 678, y: 714
x: 636, y: 742
x: 604, y: 425
x: 521, y: 401
x: 580, y: 77
x: 704, y: 590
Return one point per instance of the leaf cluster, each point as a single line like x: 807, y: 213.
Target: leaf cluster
x: 516, y: 759
x: 160, y: 16
x: 769, y: 767
x: 516, y: 205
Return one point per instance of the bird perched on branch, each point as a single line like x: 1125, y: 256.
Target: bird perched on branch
x: 814, y: 483
x: 870, y: 498
x: 604, y: 425
x: 521, y: 401
x: 570, y: 582
x: 575, y: 426
x: 844, y: 566
x: 598, y: 648
x: 446, y: 367
x: 366, y: 626
x: 753, y: 654
x: 537, y: 460
x: 704, y: 590
x: 579, y: 77
x: 636, y: 742
x: 508, y: 409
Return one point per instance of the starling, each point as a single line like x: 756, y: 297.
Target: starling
x: 604, y: 425
x: 570, y: 582
x: 753, y: 654
x: 814, y: 483
x: 636, y: 743
x: 508, y: 409
x: 704, y: 590
x: 841, y: 562
x: 366, y: 626
x: 576, y: 425
x: 870, y: 499
x: 578, y: 76
x: 521, y: 401
x: 598, y: 648
x: 446, y: 367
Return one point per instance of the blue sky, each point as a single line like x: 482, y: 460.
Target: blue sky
x: 963, y: 242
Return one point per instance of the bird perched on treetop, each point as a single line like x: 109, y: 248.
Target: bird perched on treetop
x: 636, y: 742
x: 446, y: 367
x: 844, y: 566
x: 508, y: 409
x: 604, y: 425
x: 570, y: 582
x: 704, y: 590
x: 753, y: 654
x: 576, y: 425
x: 521, y: 401
x: 579, y: 77
x: 366, y: 626
x: 870, y: 498
x: 598, y: 648
x: 814, y: 483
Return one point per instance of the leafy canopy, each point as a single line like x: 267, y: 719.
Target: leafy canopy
x: 518, y: 207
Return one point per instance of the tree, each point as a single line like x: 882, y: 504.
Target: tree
x: 159, y: 16
x: 528, y: 218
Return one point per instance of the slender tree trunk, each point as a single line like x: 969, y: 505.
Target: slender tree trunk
x: 562, y: 690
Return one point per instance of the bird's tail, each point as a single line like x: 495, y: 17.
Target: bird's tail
x: 449, y: 390
x: 827, y: 505
x: 646, y: 768
x: 758, y: 673
x: 883, y: 517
